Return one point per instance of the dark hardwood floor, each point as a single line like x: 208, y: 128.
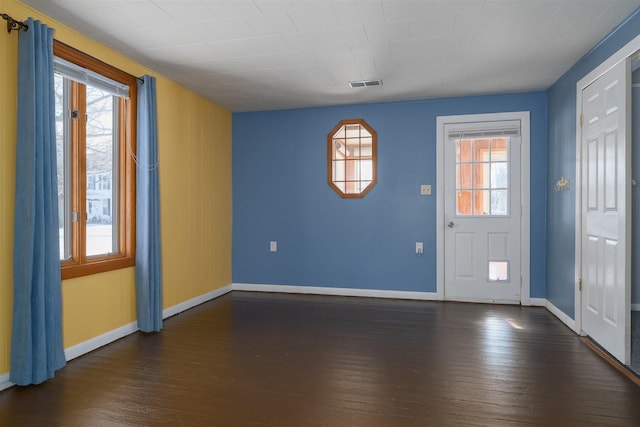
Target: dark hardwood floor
x: 250, y: 359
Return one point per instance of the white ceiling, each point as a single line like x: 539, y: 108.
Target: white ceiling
x: 248, y: 55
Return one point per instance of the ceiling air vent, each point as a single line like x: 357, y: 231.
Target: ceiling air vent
x: 365, y: 83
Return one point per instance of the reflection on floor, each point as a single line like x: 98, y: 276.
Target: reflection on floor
x: 635, y: 341
x: 253, y: 359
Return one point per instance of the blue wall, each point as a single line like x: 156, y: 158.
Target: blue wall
x: 562, y: 161
x: 280, y: 193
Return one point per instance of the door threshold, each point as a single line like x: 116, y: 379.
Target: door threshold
x: 611, y: 360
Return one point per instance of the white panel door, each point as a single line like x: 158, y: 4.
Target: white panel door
x: 482, y: 212
x: 606, y: 204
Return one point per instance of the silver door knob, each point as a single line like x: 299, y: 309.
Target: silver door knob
x: 450, y: 225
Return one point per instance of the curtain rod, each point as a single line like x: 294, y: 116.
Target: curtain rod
x: 13, y: 24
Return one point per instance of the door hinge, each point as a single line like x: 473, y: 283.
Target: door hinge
x: 580, y: 284
x: 581, y: 120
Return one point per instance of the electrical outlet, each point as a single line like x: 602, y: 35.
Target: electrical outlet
x: 425, y: 190
x: 419, y: 248
x: 273, y: 246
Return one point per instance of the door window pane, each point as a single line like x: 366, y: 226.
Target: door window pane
x: 499, y: 202
x: 498, y: 149
x: 481, y: 205
x: 463, y: 176
x: 480, y: 150
x: 463, y: 202
x: 499, y: 175
x: 481, y: 175
x: 482, y: 166
x: 463, y: 150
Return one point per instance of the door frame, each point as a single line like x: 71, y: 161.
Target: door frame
x: 624, y: 54
x: 525, y: 189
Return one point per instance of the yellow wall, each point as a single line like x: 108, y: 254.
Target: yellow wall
x: 195, y: 189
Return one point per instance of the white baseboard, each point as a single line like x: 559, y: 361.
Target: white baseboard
x: 4, y: 382
x: 483, y: 301
x: 99, y: 341
x: 347, y: 292
x: 121, y: 332
x: 561, y: 315
x: 428, y: 296
x: 537, y: 302
x: 183, y: 306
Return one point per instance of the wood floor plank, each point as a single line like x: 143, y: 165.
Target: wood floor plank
x: 252, y: 359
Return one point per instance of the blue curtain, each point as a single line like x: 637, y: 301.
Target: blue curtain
x: 148, y: 244
x: 36, y: 340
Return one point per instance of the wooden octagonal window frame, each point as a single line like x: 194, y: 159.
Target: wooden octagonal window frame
x: 352, y: 158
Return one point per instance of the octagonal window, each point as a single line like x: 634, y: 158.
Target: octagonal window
x: 352, y: 158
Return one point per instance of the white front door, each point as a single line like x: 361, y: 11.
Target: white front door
x: 482, y: 211
x: 606, y: 208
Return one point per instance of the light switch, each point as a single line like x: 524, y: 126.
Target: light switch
x: 425, y: 190
x: 419, y: 247
x: 273, y: 246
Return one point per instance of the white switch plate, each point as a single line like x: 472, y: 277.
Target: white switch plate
x: 419, y: 247
x: 425, y: 190
x: 273, y: 246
